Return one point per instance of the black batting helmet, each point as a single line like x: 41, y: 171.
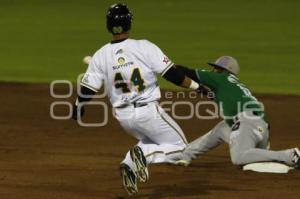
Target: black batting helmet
x: 118, y: 19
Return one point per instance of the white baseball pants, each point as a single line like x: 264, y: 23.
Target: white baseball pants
x: 160, y: 137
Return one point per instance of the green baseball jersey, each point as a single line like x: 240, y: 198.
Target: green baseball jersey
x: 230, y: 94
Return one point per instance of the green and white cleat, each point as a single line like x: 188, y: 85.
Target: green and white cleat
x: 129, y: 179
x: 140, y: 162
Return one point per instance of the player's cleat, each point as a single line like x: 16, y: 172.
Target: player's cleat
x: 184, y: 163
x: 129, y: 179
x: 296, y: 158
x: 139, y: 159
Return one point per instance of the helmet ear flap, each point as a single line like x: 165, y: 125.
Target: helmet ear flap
x: 118, y: 19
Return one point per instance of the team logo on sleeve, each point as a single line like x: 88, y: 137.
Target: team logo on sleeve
x: 121, y: 60
x: 166, y: 60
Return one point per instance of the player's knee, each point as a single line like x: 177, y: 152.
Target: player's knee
x: 238, y: 159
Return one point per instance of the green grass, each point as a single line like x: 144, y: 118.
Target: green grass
x: 44, y: 40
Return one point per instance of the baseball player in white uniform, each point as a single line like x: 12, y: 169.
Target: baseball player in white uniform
x: 129, y: 68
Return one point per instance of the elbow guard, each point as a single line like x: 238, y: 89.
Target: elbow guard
x: 174, y: 75
x: 191, y: 73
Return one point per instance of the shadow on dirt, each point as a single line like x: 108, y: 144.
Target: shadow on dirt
x: 190, y: 188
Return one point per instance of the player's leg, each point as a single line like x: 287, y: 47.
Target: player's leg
x: 219, y: 134
x: 165, y: 139
x: 171, y: 131
x: 135, y: 158
x: 160, y: 138
x: 161, y: 153
x: 132, y: 168
x: 246, y: 137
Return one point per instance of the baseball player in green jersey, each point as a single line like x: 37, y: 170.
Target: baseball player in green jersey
x: 245, y: 127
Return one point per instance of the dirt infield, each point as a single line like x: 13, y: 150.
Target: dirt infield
x: 45, y: 158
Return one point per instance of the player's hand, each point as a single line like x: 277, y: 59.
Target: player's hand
x: 203, y: 90
x: 75, y: 112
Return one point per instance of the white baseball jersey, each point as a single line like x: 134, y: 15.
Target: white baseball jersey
x: 129, y: 69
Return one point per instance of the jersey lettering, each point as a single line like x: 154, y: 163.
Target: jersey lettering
x: 136, y: 79
x: 246, y: 91
x: 120, y: 83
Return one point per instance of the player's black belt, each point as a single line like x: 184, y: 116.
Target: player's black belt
x: 135, y: 105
